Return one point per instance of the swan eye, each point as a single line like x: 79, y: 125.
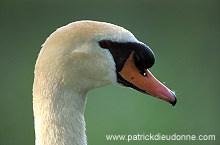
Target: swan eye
x: 104, y: 44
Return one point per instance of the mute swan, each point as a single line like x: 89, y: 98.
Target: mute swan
x: 79, y: 57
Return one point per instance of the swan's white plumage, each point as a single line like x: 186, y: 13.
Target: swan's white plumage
x: 69, y: 65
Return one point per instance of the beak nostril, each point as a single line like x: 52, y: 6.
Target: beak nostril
x: 142, y: 72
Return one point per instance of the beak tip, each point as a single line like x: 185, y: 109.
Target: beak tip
x: 174, y: 102
x: 175, y: 99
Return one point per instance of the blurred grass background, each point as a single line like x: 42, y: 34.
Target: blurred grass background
x: 184, y: 35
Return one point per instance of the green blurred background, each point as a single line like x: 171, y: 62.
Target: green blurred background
x: 184, y: 35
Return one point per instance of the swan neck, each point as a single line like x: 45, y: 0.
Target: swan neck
x: 59, y: 117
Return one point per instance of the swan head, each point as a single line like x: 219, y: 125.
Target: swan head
x: 85, y: 55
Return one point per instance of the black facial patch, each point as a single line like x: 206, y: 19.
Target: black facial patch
x: 143, y: 55
x: 119, y: 51
x: 143, y: 58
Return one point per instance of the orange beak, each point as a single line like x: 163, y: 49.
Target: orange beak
x: 146, y: 83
